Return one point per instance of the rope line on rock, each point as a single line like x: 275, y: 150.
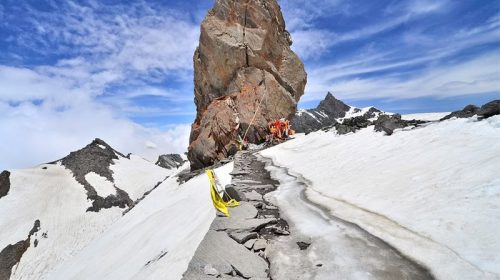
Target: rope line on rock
x: 254, y: 115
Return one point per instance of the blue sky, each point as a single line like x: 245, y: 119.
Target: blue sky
x: 71, y: 71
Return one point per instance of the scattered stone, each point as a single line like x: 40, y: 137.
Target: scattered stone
x: 224, y: 254
x: 253, y: 195
x: 242, y: 236
x: 389, y: 123
x: 245, y: 211
x: 303, y: 245
x: 249, y: 243
x: 260, y: 244
x: 4, y: 183
x: 271, y: 207
x: 234, y: 193
x: 489, y: 109
x: 170, y: 161
x: 210, y: 270
x: 234, y: 224
x: 259, y: 205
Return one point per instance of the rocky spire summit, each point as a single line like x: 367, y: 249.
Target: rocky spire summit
x: 244, y: 70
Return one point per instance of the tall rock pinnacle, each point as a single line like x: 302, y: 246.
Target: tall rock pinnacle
x: 243, y: 60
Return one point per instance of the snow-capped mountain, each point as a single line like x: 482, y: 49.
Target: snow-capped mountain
x: 331, y: 112
x: 52, y: 211
x: 421, y: 203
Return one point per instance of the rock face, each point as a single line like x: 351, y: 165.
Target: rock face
x: 170, y: 161
x: 4, y: 183
x: 243, y: 67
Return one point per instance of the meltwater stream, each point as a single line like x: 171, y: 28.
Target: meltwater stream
x: 338, y: 249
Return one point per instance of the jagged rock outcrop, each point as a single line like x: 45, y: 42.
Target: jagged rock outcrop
x: 332, y: 112
x: 489, y: 109
x: 96, y: 157
x: 4, y: 183
x: 12, y: 254
x: 324, y: 115
x: 467, y: 112
x: 170, y: 161
x: 245, y: 76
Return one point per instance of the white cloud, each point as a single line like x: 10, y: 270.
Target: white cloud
x: 34, y: 134
x: 478, y: 75
x: 49, y: 110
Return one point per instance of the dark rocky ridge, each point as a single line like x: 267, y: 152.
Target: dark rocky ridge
x: 389, y: 123
x: 486, y: 111
x: 170, y: 161
x: 11, y: 255
x: 4, y: 183
x: 330, y: 113
x: 96, y: 157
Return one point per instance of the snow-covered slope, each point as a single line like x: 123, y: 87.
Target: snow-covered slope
x: 432, y: 192
x: 53, y: 211
x: 425, y: 116
x: 155, y: 240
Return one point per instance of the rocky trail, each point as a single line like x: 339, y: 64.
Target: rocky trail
x: 236, y: 247
x: 257, y: 242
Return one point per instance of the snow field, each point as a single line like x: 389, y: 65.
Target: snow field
x: 432, y: 192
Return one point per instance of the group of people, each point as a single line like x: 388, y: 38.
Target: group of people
x: 279, y: 130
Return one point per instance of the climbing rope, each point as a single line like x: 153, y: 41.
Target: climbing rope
x: 255, y: 114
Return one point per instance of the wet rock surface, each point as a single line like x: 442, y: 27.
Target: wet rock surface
x: 96, y: 157
x: 234, y: 247
x: 12, y: 254
x: 4, y: 183
x: 170, y: 161
x: 245, y: 76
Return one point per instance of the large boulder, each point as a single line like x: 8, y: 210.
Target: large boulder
x: 489, y: 109
x: 170, y: 161
x: 467, y: 112
x: 4, y: 183
x: 245, y: 76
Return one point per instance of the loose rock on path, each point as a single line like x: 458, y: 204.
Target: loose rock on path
x: 235, y: 247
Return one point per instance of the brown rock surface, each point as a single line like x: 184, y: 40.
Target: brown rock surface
x: 244, y: 57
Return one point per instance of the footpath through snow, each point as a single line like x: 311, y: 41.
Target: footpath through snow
x: 432, y: 193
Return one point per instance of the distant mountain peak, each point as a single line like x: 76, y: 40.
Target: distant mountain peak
x: 333, y: 107
x: 96, y: 157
